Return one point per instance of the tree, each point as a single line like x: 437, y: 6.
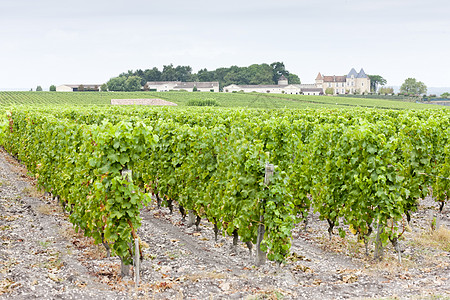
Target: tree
x: 258, y: 74
x: 278, y: 69
x: 152, y: 74
x: 386, y: 90
x: 376, y: 80
x: 205, y: 75
x: 116, y: 84
x: 39, y: 88
x: 169, y: 73
x: 52, y: 88
x: 412, y: 86
x: 132, y: 84
x: 293, y: 79
x: 104, y: 88
x: 236, y: 75
x: 183, y: 73
x: 445, y: 95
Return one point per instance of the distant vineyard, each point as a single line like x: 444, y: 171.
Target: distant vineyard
x: 250, y: 100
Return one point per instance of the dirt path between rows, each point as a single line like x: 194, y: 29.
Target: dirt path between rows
x: 41, y: 257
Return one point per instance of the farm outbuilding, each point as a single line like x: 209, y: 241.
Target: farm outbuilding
x: 78, y: 88
x: 165, y: 86
x: 312, y: 91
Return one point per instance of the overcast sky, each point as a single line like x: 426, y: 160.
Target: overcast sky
x: 70, y: 42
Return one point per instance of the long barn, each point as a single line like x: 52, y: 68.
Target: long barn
x: 78, y: 88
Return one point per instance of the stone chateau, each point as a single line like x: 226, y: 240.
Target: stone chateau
x: 352, y: 83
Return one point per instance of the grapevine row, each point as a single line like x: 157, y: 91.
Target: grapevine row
x: 364, y: 168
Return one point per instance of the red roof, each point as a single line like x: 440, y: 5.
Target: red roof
x: 334, y: 78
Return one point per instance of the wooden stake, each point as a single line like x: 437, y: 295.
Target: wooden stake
x: 136, y: 262
x: 261, y: 255
x: 269, y: 173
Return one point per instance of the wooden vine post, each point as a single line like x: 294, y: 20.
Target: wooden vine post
x: 136, y: 261
x: 261, y: 255
x: 125, y: 269
x: 378, y: 244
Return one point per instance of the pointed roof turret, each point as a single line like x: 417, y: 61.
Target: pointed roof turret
x: 352, y: 72
x: 283, y: 80
x: 319, y: 77
x: 362, y: 74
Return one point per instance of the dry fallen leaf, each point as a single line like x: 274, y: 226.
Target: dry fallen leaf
x: 317, y: 282
x: 54, y: 277
x: 404, y: 276
x: 5, y: 285
x: 302, y: 268
x: 343, y: 271
x: 350, y: 278
x: 295, y: 257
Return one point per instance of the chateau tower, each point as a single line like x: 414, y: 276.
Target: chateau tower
x: 283, y: 80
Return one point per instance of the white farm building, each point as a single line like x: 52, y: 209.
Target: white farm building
x: 165, y: 86
x: 283, y: 87
x: 78, y: 87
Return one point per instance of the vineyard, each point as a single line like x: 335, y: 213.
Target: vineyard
x: 249, y: 100
x: 365, y: 169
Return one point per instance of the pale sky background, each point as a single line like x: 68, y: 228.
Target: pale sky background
x: 44, y: 42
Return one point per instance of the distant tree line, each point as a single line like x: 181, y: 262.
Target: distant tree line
x: 254, y: 74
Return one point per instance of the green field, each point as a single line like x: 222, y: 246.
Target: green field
x: 250, y: 100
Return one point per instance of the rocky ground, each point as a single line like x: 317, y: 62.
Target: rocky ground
x: 42, y: 257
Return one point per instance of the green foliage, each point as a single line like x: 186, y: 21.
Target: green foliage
x: 52, y: 88
x: 104, y: 88
x: 39, y: 88
x: 278, y: 69
x: 293, y: 79
x: 4, y: 122
x: 132, y: 84
x: 90, y: 182
x: 375, y: 81
x: 203, y: 102
x: 169, y: 73
x: 116, y: 84
x: 414, y: 87
x: 329, y: 91
x: 253, y: 74
x: 386, y: 90
x: 357, y: 166
x: 445, y: 95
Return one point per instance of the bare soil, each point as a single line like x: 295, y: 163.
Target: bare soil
x: 42, y: 257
